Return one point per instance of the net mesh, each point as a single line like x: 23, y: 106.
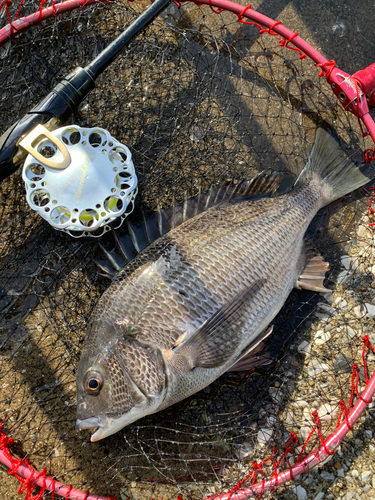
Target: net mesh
x: 199, y: 99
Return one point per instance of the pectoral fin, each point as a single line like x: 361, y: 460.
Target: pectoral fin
x: 313, y: 275
x: 215, y: 342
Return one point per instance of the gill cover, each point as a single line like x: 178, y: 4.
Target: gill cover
x: 123, y: 384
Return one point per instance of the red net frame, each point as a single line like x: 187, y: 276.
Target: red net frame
x: 29, y: 478
x: 19, y: 25
x: 355, y: 93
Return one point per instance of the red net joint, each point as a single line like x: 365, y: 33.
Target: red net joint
x: 258, y: 467
x: 306, y: 443
x: 241, y: 19
x: 30, y: 484
x: 366, y: 338
x: 68, y: 493
x: 270, y: 30
x: 7, y: 4
x: 275, y: 465
x: 19, y: 10
x: 346, y: 89
x: 40, y: 10
x: 285, y: 43
x: 331, y: 65
x: 251, y: 475
x: 355, y: 380
x: 268, y: 460
x: 4, y: 440
x: 366, y: 80
x: 290, y: 445
x: 367, y: 343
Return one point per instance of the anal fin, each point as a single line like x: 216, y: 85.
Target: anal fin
x: 253, y: 361
x: 313, y: 275
x: 253, y: 357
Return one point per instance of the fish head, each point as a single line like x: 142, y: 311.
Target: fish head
x: 119, y: 385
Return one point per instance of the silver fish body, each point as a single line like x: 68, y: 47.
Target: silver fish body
x: 189, y: 306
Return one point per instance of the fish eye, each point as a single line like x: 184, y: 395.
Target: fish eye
x: 93, y: 382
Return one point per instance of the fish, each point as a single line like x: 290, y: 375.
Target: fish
x: 200, y: 296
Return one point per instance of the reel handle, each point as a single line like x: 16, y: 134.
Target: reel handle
x: 9, y: 159
x: 58, y: 105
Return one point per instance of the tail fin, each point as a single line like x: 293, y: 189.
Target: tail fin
x: 339, y: 175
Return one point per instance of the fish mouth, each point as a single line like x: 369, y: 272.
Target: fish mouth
x: 91, y: 423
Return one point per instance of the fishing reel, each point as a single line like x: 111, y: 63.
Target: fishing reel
x: 79, y: 179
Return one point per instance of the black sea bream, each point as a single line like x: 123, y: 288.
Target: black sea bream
x: 197, y: 301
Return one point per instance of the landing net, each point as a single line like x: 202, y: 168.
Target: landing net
x: 200, y: 99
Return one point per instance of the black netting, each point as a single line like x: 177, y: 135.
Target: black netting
x: 199, y: 99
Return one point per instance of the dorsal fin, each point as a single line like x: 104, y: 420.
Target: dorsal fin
x: 138, y: 235
x: 163, y: 220
x: 190, y: 207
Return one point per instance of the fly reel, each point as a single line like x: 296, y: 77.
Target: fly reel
x: 79, y: 179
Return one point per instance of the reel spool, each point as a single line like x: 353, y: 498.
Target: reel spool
x: 79, y: 179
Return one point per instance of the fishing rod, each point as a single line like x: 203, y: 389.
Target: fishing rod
x: 43, y: 188
x: 68, y: 94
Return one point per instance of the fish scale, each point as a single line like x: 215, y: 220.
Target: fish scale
x: 201, y: 297
x: 226, y: 254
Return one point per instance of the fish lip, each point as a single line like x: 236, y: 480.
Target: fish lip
x: 99, y: 434
x: 89, y: 423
